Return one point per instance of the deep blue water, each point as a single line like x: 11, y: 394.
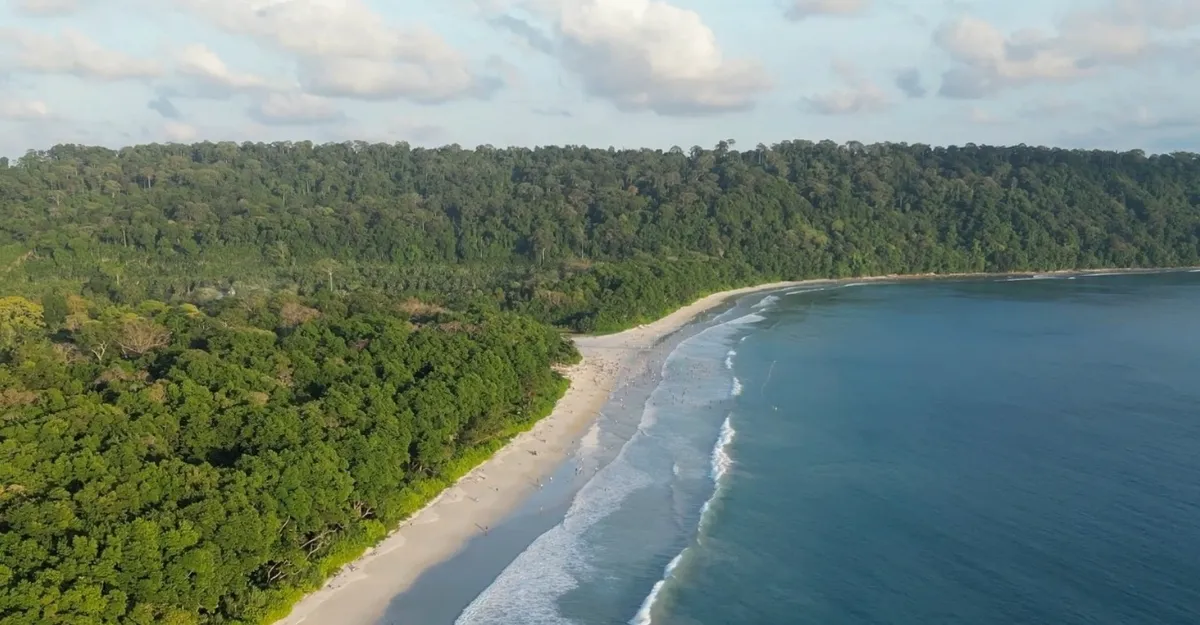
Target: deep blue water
x: 984, y: 452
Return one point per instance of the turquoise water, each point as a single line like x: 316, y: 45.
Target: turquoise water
x: 942, y: 452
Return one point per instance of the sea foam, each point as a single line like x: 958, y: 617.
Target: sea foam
x: 643, y: 614
x: 766, y: 302
x: 527, y: 591
x: 740, y: 321
x: 1027, y: 278
x: 722, y: 462
x: 811, y: 290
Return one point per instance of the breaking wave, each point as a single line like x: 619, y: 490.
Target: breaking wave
x: 722, y: 462
x: 643, y: 614
x: 562, y: 559
x: 766, y: 302
x: 1040, y: 276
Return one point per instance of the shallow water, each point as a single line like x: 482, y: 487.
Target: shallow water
x: 985, y: 451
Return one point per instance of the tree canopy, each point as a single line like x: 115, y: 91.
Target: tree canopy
x: 585, y: 238
x: 163, y: 464
x: 226, y: 369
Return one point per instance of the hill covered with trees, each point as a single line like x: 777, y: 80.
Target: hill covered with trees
x: 226, y: 369
x: 584, y: 238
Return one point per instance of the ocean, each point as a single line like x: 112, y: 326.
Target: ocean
x: 985, y: 451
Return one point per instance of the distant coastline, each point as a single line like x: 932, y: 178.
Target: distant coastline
x: 360, y: 593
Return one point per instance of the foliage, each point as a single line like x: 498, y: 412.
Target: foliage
x: 585, y: 238
x: 164, y: 464
x: 226, y: 369
x: 18, y: 315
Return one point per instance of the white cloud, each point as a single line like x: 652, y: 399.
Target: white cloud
x: 646, y: 55
x: 860, y: 95
x: 347, y: 49
x: 988, y: 61
x: 177, y: 132
x: 804, y: 9
x: 981, y: 116
x: 299, y: 109
x: 1051, y: 107
x: 47, y: 7
x: 320, y: 28
x: 570, y: 70
x: 24, y: 110
x: 372, y: 79
x: 1121, y: 32
x: 73, y: 53
x: 1161, y: 127
x: 393, y: 130
x: 203, y: 65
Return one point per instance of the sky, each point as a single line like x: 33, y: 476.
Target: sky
x: 1114, y: 74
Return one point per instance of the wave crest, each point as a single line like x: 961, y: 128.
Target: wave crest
x: 766, y: 302
x: 643, y: 614
x: 722, y: 462
x: 562, y: 558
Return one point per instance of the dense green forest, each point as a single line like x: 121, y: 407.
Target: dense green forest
x: 160, y: 464
x: 584, y: 238
x: 226, y: 369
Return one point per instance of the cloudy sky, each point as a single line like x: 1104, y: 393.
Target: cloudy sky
x: 1078, y: 73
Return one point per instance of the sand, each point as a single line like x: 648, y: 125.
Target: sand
x: 361, y: 592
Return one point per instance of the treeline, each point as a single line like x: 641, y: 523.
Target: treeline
x: 226, y: 369
x: 163, y: 464
x: 585, y: 238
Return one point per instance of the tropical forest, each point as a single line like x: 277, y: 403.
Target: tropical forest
x: 227, y: 369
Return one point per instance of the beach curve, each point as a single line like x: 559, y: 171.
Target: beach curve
x: 360, y: 593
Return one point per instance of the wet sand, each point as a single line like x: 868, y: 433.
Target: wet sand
x: 361, y: 592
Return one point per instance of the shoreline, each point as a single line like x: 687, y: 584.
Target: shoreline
x: 360, y: 593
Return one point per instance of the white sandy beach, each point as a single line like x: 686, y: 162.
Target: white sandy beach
x: 361, y: 592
